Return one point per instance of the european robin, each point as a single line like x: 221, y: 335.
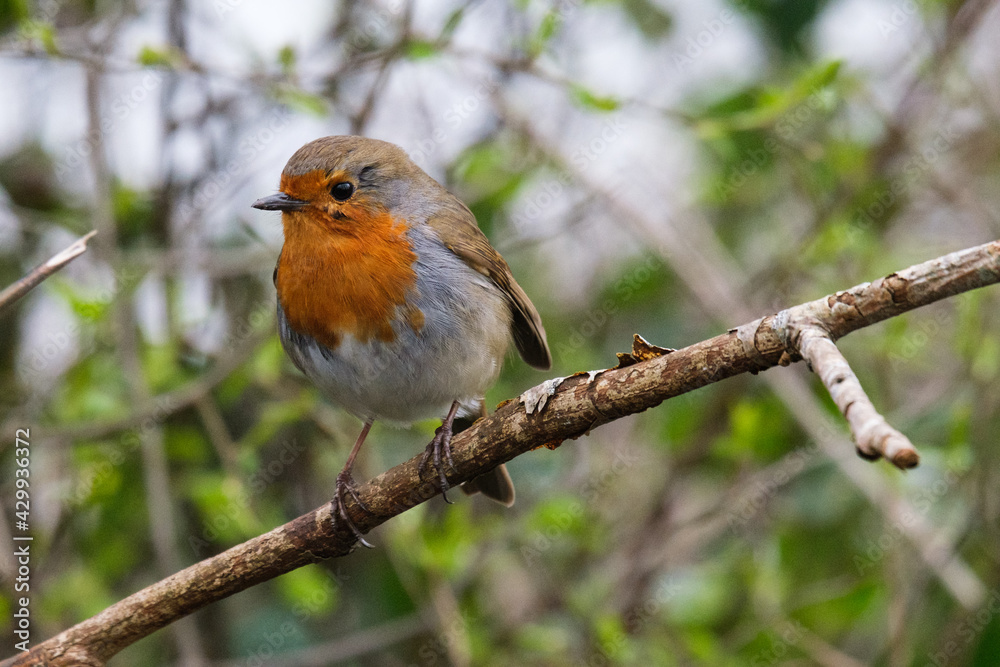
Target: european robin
x: 391, y: 299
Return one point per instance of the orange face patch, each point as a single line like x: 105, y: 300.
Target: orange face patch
x: 345, y: 267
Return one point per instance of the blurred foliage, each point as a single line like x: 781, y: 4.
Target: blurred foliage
x: 785, y: 21
x: 709, y: 531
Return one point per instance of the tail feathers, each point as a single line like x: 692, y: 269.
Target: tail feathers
x: 495, y: 485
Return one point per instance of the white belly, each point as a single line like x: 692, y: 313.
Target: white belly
x: 456, y: 355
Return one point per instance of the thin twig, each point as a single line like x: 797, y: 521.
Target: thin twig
x: 218, y: 434
x: 43, y: 271
x: 873, y: 435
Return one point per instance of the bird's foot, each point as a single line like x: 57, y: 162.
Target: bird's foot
x: 346, y: 484
x: 440, y: 449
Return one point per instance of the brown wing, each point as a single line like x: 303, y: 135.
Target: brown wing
x: 457, y: 227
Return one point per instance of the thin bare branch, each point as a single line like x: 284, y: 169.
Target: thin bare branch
x: 43, y: 271
x: 873, y: 435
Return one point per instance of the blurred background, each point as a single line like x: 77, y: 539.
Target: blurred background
x: 663, y: 167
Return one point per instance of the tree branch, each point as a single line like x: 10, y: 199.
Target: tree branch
x: 16, y: 290
x: 547, y: 415
x: 874, y: 436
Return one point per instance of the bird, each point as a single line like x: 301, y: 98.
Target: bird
x: 392, y: 301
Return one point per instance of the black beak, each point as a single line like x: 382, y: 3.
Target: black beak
x: 279, y: 202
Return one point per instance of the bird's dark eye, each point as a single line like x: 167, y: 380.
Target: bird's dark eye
x: 342, y: 191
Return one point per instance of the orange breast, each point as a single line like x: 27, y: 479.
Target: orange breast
x: 346, y: 275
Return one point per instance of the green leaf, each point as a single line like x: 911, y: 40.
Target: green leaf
x: 49, y: 41
x: 300, y: 100
x: 44, y: 32
x: 493, y: 171
x: 454, y: 19
x: 150, y: 57
x: 821, y: 76
x: 418, y: 49
x: 13, y: 12
x: 135, y: 216
x: 287, y: 59
x: 756, y: 109
x: 89, y: 305
x: 546, y: 30
x: 652, y: 22
x: 589, y: 100
x: 785, y: 22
